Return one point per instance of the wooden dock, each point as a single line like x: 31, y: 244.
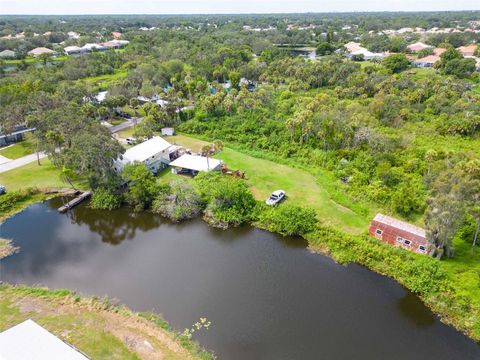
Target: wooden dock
x: 75, y: 202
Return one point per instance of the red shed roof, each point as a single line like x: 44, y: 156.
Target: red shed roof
x: 387, y: 220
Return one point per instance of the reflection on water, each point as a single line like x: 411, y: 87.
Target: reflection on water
x: 266, y: 295
x: 414, y: 310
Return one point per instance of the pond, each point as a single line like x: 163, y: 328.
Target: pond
x: 267, y: 296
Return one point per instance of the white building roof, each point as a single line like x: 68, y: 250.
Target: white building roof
x: 72, y: 48
x: 196, y: 162
x: 28, y: 341
x: 91, y: 46
x: 40, y: 51
x: 149, y: 148
x: 402, y: 225
x: 102, y: 95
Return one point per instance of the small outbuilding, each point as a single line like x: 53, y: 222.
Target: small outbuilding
x: 28, y: 341
x: 399, y: 233
x: 193, y: 164
x: 168, y: 131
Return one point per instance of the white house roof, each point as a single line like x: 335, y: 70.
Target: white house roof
x: 402, y: 225
x: 91, y: 46
x: 7, y: 53
x: 149, y: 148
x: 40, y: 51
x: 196, y: 162
x: 28, y: 340
x: 72, y: 48
x: 102, y: 95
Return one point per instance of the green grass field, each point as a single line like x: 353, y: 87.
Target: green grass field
x: 303, y: 188
x: 19, y: 149
x: 33, y: 175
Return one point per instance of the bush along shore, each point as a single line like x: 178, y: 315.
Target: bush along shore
x: 224, y: 202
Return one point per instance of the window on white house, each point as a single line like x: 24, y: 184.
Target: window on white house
x: 378, y: 232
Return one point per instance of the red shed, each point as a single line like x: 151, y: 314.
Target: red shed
x: 399, y: 233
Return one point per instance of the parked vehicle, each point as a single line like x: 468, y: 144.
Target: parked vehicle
x: 275, y: 197
x: 3, y: 190
x: 131, y: 141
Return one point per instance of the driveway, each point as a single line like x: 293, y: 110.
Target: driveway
x: 127, y: 124
x: 13, y: 164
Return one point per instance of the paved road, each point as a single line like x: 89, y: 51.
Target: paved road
x: 127, y: 124
x: 4, y: 160
x: 13, y: 164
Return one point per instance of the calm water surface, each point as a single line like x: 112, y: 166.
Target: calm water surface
x: 266, y: 296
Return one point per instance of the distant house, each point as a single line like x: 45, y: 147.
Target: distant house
x: 468, y: 51
x: 72, y: 50
x: 193, y: 164
x: 155, y: 153
x: 42, y: 50
x: 7, y: 54
x: 28, y: 340
x: 168, y: 131
x: 93, y: 46
x: 426, y: 62
x: 418, y: 46
x: 116, y: 34
x: 353, y: 46
x: 73, y: 35
x: 17, y: 135
x: 398, y: 233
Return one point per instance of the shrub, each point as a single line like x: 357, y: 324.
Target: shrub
x: 288, y: 219
x: 181, y: 201
x: 142, y: 187
x: 10, y: 200
x: 229, y: 202
x: 104, y: 198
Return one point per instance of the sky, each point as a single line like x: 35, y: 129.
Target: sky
x: 64, y: 7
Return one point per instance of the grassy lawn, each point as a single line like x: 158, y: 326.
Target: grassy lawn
x: 94, y: 327
x: 303, y: 188
x: 103, y: 81
x: 127, y: 133
x: 187, y: 142
x: 464, y: 269
x: 33, y: 175
x: 19, y: 149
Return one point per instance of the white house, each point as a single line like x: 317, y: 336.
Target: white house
x: 92, y: 47
x: 71, y: 50
x: 7, y: 53
x: 193, y: 164
x: 154, y: 153
x: 28, y: 341
x: 42, y: 50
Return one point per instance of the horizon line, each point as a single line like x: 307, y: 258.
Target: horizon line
x: 249, y: 13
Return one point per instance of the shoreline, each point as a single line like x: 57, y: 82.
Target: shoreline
x: 96, y: 326
x: 435, y: 290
